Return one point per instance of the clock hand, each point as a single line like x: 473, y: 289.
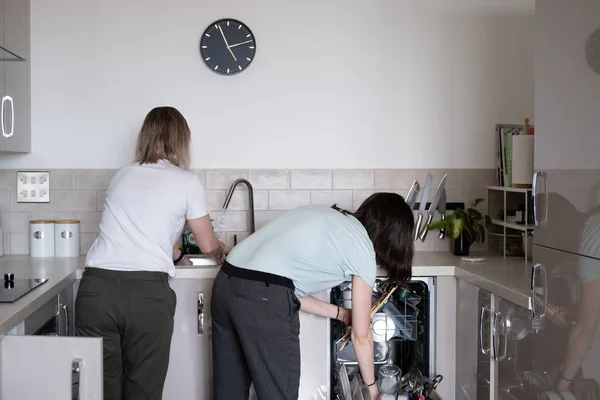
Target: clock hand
x: 239, y: 44
x: 227, y: 44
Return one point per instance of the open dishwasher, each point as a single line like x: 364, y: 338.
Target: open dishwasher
x: 403, y: 332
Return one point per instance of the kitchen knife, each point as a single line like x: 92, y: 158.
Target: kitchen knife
x: 442, y: 212
x: 432, y: 208
x: 411, y: 197
x: 422, y: 205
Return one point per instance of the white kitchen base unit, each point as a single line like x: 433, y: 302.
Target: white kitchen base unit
x: 44, y: 367
x: 190, y: 365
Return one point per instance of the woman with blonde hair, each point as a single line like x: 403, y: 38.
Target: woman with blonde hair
x: 124, y: 295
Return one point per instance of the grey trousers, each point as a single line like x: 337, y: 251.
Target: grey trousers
x: 133, y: 313
x: 256, y: 331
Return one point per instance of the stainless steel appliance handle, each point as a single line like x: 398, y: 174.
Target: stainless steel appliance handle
x: 495, y: 332
x: 537, y: 177
x: 484, y: 309
x: 5, y: 132
x: 539, y: 312
x: 76, y: 365
x: 200, y: 313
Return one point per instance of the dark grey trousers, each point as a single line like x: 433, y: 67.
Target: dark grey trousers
x: 133, y: 313
x: 255, y: 337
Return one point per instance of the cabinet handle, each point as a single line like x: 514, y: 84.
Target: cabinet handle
x: 200, y: 313
x: 539, y: 312
x: 57, y: 314
x: 75, y: 376
x: 484, y: 309
x: 495, y: 333
x: 538, y: 176
x: 5, y: 133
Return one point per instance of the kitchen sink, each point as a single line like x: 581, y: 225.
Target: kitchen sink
x: 201, y: 260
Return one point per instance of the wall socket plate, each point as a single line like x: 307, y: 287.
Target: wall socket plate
x: 33, y: 187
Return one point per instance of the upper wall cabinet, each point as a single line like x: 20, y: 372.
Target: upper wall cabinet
x: 15, y: 87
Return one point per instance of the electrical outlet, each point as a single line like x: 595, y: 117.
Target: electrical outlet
x: 33, y: 187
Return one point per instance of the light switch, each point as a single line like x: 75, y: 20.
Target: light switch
x: 33, y: 187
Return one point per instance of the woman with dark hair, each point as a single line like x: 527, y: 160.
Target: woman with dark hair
x: 270, y: 276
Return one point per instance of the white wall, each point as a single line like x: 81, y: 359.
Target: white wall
x: 335, y: 84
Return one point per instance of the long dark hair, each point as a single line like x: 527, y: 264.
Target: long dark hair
x: 389, y: 221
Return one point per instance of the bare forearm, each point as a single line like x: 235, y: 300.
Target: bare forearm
x: 317, y: 307
x: 363, y: 348
x: 579, y: 343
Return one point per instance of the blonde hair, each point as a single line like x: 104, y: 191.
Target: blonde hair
x: 165, y: 135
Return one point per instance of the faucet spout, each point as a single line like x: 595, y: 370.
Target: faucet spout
x: 250, y: 200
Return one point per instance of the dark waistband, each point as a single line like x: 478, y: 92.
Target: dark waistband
x: 126, y: 275
x: 265, y: 277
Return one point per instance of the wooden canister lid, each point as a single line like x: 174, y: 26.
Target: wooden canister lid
x: 41, y: 221
x: 67, y: 221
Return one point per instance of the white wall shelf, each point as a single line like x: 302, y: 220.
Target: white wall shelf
x: 499, y: 202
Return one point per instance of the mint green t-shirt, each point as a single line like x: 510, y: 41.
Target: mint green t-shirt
x: 315, y: 246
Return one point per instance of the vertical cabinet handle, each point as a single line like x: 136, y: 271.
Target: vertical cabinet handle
x: 62, y: 309
x: 540, y: 216
x: 5, y: 131
x: 200, y: 313
x: 75, y: 378
x: 539, y: 298
x: 484, y: 350
x: 498, y: 325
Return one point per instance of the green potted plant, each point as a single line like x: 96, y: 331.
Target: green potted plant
x: 465, y: 227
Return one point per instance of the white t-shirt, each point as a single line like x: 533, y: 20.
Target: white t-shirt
x: 144, y: 212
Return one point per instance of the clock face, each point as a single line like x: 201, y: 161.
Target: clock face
x: 592, y: 51
x: 227, y: 46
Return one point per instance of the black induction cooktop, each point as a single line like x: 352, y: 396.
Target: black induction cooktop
x: 12, y: 289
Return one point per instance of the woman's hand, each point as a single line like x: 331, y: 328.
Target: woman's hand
x: 345, y: 316
x: 185, y: 262
x: 562, y: 385
x: 374, y: 392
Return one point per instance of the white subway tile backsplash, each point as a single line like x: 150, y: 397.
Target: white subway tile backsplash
x: 17, y: 222
x: 93, y: 179
x: 263, y: 217
x: 270, y: 178
x: 234, y: 221
x: 89, y: 221
x: 394, y: 178
x: 288, y: 199
x: 85, y: 241
x: 62, y: 179
x: 353, y: 179
x: 81, y: 193
x: 358, y: 196
x: 343, y: 198
x: 312, y: 179
x: 4, y: 201
x: 76, y: 200
x: 201, y: 175
x: 19, y: 243
x: 475, y: 178
x: 53, y: 215
x: 8, y: 179
x: 6, y: 243
x: 21, y: 207
x: 100, y: 197
x: 223, y: 178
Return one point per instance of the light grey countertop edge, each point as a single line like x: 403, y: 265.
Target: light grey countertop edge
x: 508, y: 278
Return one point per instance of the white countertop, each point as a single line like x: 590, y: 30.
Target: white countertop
x: 508, y: 278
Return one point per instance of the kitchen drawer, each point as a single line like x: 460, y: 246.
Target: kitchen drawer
x: 36, y: 320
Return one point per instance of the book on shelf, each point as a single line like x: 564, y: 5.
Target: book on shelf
x: 504, y: 134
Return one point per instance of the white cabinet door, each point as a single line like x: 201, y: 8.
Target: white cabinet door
x: 190, y: 365
x: 41, y: 367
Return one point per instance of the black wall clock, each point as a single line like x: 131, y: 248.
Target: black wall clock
x: 227, y: 46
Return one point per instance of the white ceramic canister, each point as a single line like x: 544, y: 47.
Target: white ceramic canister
x: 41, y: 238
x: 66, y: 238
